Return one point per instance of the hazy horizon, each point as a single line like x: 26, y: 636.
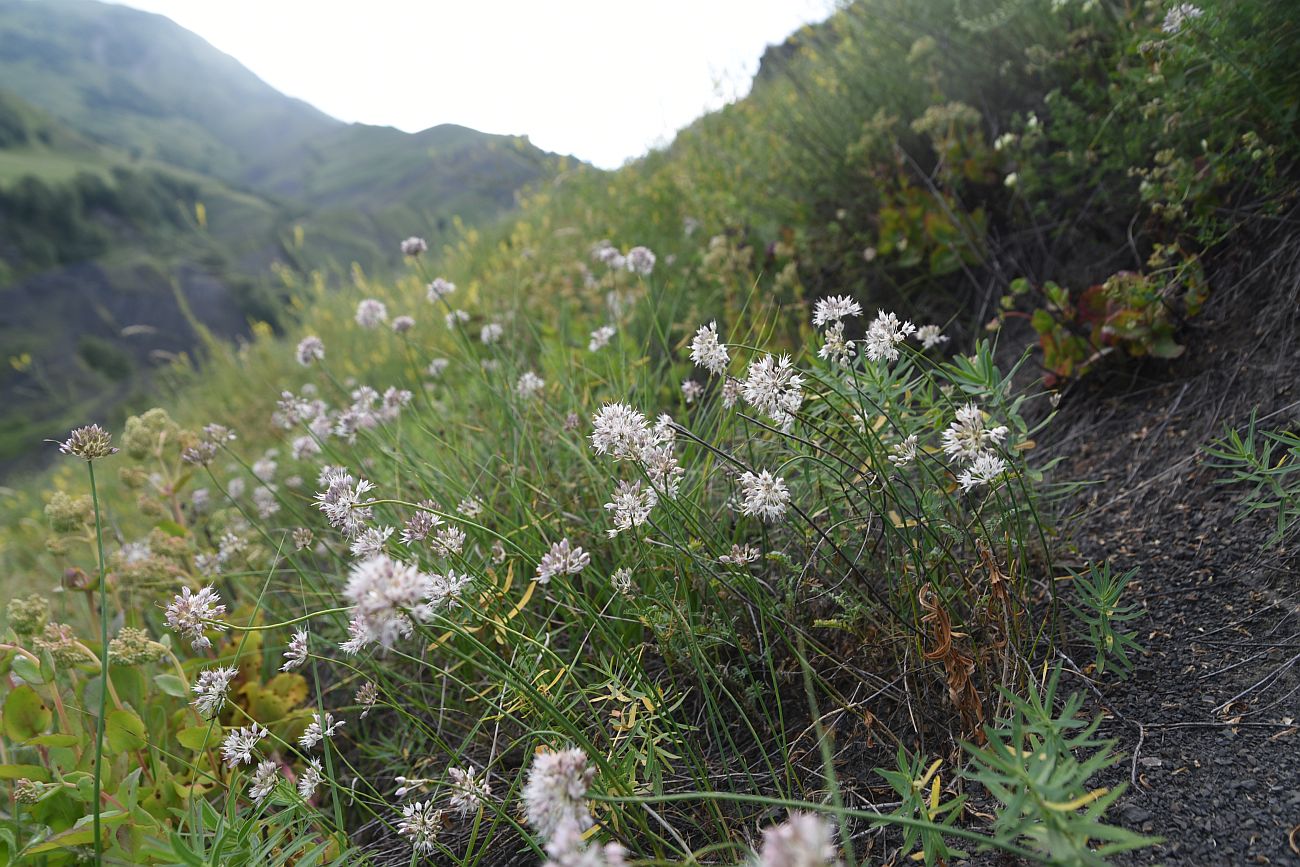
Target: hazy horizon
x: 587, y: 79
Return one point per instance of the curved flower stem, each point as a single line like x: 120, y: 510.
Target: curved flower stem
x: 105, y: 686
x: 302, y: 619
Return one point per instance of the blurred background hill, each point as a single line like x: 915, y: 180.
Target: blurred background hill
x: 150, y: 187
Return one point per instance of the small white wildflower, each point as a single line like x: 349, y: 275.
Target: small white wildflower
x: 421, y: 824
x: 1011, y: 180
x: 835, y: 348
x: 414, y: 246
x: 456, y: 317
x: 468, y: 790
x: 904, y: 452
x: 370, y: 541
x: 263, y: 781
x: 619, y: 430
x: 237, y: 748
x: 707, y: 352
x: 631, y: 506
x: 448, y: 542
x: 731, y: 392
x: 367, y: 695
x: 986, y: 469
x: 421, y: 524
x: 765, y: 495
x: 321, y: 727
x: 967, y: 437
x: 491, y: 333
x: 740, y: 555
x: 191, y: 613
x: 600, y: 337
x: 883, y: 336
x: 529, y: 385
x: 1178, y: 16
x: 439, y: 289
x: 310, y: 349
x: 773, y: 387
x: 640, y: 260
x: 834, y: 308
x: 296, y: 653
x: 403, y: 324
x: 437, y: 367
x: 470, y: 507
x: 567, y: 848
x: 691, y: 390
x: 621, y: 581
x: 371, y: 312
x: 562, y: 559
x: 802, y: 840
x: 311, y: 777
x: 930, y: 336
x: 406, y: 785
x: 556, y: 790
x: 384, y: 594
x: 212, y: 686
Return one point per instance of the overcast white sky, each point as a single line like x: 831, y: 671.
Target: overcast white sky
x: 603, y: 80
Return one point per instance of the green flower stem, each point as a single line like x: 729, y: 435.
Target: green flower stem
x: 103, y: 666
x: 281, y: 624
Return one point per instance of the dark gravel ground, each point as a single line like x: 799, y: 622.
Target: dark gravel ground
x: 1210, y: 718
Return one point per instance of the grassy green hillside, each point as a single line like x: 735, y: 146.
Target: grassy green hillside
x: 127, y: 143
x: 151, y: 89
x: 694, y: 514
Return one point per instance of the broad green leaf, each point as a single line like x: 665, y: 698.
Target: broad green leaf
x: 20, y: 772
x: 57, y: 739
x: 172, y: 685
x: 27, y: 670
x: 25, y: 714
x: 124, y: 731
x: 200, y: 737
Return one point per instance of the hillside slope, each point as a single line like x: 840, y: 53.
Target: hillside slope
x: 141, y: 168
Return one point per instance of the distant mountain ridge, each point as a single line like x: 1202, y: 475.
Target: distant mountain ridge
x: 138, y: 160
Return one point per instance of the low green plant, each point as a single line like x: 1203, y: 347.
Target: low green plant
x: 1038, y: 764
x: 1267, y: 462
x: 919, y: 787
x: 1098, y: 593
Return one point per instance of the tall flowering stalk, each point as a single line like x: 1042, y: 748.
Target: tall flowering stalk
x: 91, y: 443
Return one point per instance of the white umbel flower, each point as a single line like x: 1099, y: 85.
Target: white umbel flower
x: 310, y: 349
x: 707, y: 352
x: 212, y: 686
x: 986, y: 469
x: 439, y: 289
x: 765, y: 495
x: 322, y: 726
x: 774, y: 387
x: 967, y: 437
x: 421, y: 824
x: 238, y: 746
x: 190, y: 614
x: 631, y: 506
x: 556, y: 790
x: 562, y: 559
x: 640, y: 260
x: 263, y: 780
x: 904, y: 452
x: 600, y: 337
x: 384, y: 594
x: 930, y: 336
x: 529, y: 385
x: 834, y: 308
x: 620, y: 431
x: 371, y: 313
x: 468, y: 790
x: 883, y: 336
x: 802, y: 840
x: 312, y: 776
x: 296, y: 653
x: 491, y: 333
